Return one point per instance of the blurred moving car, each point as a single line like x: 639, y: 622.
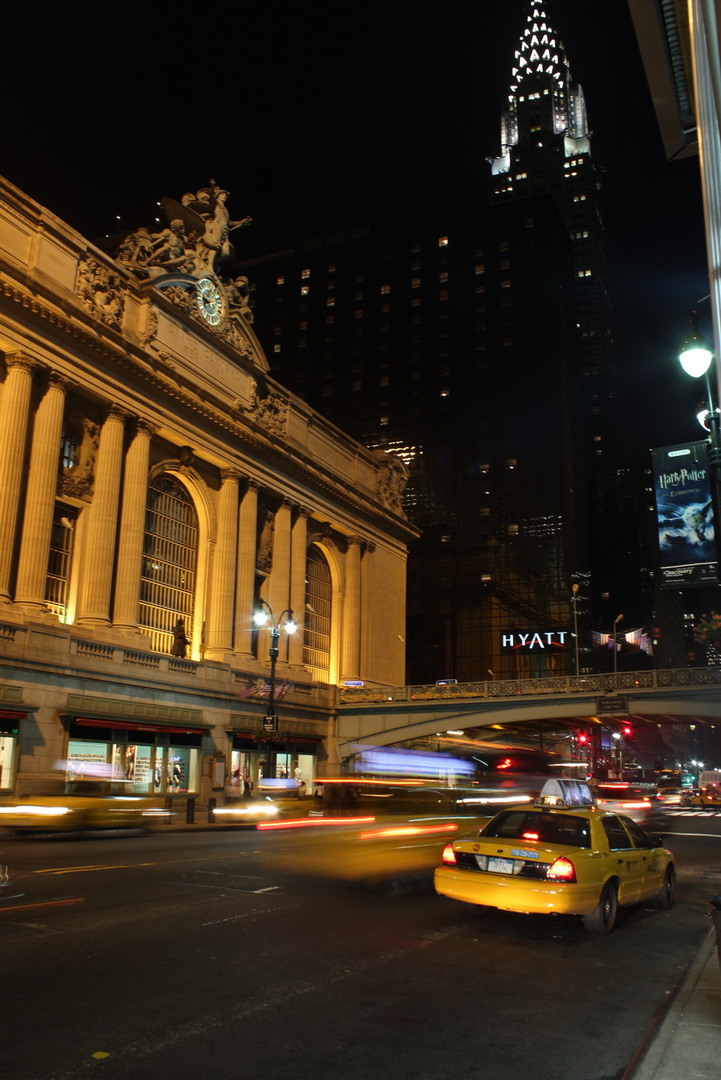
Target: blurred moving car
x: 562, y: 855
x: 707, y: 797
x: 86, y: 804
x: 636, y: 801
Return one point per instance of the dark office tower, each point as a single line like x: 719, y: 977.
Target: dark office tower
x: 454, y: 345
x: 546, y: 147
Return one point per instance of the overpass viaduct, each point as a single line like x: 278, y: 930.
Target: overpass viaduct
x: 380, y: 716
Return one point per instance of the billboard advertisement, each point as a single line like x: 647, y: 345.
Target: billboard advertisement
x: 684, y: 515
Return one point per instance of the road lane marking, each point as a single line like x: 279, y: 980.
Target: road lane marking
x: 98, y: 866
x: 44, y: 903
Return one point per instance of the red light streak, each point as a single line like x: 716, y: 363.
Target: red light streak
x: 304, y: 823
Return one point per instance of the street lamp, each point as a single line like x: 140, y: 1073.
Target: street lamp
x: 696, y: 357
x: 575, y: 624
x: 262, y: 613
x: 616, y: 621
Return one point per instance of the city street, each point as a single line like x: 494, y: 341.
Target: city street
x: 195, y: 955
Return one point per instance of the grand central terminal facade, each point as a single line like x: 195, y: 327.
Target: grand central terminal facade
x: 157, y: 487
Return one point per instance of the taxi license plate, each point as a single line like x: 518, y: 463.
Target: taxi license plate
x: 500, y: 866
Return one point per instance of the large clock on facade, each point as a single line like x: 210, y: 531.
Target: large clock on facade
x: 209, y: 300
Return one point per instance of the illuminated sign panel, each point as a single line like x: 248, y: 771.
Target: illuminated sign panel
x: 535, y: 640
x: 684, y: 516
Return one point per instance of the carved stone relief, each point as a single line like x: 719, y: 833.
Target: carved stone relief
x: 101, y: 292
x: 270, y: 410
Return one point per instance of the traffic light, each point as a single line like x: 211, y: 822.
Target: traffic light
x: 583, y: 739
x: 627, y: 731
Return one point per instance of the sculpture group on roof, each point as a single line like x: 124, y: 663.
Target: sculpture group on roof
x: 195, y: 243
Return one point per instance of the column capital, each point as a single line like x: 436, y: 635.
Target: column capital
x: 22, y: 360
x: 57, y: 381
x: 144, y: 427
x: 230, y: 474
x: 117, y: 412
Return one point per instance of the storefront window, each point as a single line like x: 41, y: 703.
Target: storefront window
x: 7, y: 760
x: 142, y: 768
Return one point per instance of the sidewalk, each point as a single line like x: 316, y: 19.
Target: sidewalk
x: 685, y: 1043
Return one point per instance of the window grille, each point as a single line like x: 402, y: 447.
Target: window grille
x: 170, y: 551
x: 316, y: 633
x: 57, y: 581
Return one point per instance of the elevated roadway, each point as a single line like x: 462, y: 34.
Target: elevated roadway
x: 380, y: 716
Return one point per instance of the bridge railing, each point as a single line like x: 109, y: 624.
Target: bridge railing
x: 605, y: 683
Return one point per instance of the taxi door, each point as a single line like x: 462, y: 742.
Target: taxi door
x: 653, y: 866
x: 627, y: 859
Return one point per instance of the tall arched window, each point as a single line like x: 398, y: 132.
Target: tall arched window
x: 316, y: 634
x: 170, y: 554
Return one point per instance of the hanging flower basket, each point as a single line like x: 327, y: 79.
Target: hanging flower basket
x: 269, y: 738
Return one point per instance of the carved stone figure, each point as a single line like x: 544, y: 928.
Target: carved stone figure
x: 180, y: 641
x: 265, y: 543
x: 238, y: 292
x: 392, y: 479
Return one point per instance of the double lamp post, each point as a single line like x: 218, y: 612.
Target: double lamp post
x: 262, y: 613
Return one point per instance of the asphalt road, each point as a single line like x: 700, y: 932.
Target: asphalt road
x: 196, y: 955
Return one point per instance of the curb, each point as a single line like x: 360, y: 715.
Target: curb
x: 649, y: 1057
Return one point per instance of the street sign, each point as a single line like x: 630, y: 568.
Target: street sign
x: 611, y: 706
x: 270, y: 723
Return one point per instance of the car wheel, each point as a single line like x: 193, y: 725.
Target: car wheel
x: 603, y: 918
x: 664, y: 896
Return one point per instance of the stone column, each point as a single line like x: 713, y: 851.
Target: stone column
x: 132, y: 529
x: 277, y: 588
x: 99, y: 547
x: 14, y: 414
x: 245, y: 576
x: 219, y: 635
x: 298, y: 556
x: 352, y: 611
x: 40, y: 498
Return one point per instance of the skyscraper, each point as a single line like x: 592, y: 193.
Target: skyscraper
x: 473, y: 347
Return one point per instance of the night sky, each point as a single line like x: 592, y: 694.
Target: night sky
x: 329, y: 116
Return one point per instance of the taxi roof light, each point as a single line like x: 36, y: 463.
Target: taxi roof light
x: 563, y: 793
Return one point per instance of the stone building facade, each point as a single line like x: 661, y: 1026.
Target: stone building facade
x: 155, y: 485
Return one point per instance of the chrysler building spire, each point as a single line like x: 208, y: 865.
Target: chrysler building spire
x: 541, y: 70
x: 546, y: 150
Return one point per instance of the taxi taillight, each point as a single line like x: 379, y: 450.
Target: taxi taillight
x: 449, y: 856
x: 562, y: 870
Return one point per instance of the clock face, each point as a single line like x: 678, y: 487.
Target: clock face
x: 210, y: 301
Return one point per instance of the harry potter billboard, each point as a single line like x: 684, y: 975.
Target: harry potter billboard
x: 684, y: 515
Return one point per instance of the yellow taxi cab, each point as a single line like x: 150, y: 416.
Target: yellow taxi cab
x: 707, y: 797
x: 87, y: 804
x: 561, y: 855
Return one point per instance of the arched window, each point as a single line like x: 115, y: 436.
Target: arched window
x: 316, y: 635
x: 170, y: 553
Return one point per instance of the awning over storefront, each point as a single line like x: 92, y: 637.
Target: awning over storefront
x: 134, y: 725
